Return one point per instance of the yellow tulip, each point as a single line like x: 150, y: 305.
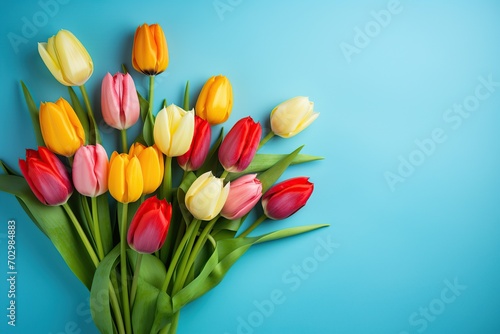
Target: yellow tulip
x: 206, y: 196
x: 173, y: 130
x: 150, y: 50
x: 125, y: 178
x: 215, y: 101
x: 61, y: 129
x: 66, y: 58
x: 151, y: 160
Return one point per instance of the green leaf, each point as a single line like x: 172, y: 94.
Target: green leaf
x: 34, y: 113
x: 80, y: 112
x: 8, y: 170
x: 186, y: 97
x: 147, y: 131
x: 144, y: 104
x: 270, y: 176
x: 227, y: 252
x: 152, y: 269
x: 124, y: 68
x: 212, y: 160
x: 105, y: 226
x: 144, y: 309
x: 99, y: 294
x: 262, y: 162
x: 55, y: 224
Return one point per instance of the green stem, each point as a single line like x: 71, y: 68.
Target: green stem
x: 115, y: 305
x: 81, y: 234
x: 177, y: 255
x: 182, y: 269
x: 253, y: 226
x: 151, y: 97
x: 133, y: 289
x: 186, y: 97
x: 166, y: 188
x: 94, y: 132
x: 123, y: 134
x: 97, y: 230
x: 266, y: 139
x: 123, y: 268
x: 224, y: 174
x: 174, y: 323
x: 196, y: 249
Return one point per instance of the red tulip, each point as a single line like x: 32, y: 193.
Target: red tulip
x: 240, y: 145
x: 46, y: 176
x: 244, y: 193
x: 149, y: 226
x: 284, y: 199
x: 198, y: 151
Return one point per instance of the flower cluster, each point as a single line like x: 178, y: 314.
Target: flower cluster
x: 187, y: 232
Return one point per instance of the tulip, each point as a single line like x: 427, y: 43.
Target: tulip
x: 215, y: 101
x: 151, y: 160
x: 90, y: 170
x: 173, y: 130
x: 125, y: 180
x: 244, y: 193
x: 67, y: 59
x: 284, y: 199
x: 149, y: 227
x: 292, y: 116
x: 240, y: 145
x: 61, y: 129
x: 46, y: 176
x: 198, y: 151
x: 206, y: 196
x: 119, y: 101
x: 150, y: 51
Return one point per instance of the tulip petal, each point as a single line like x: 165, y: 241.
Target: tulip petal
x: 73, y: 58
x: 161, y: 131
x: 133, y: 180
x: 51, y: 186
x: 51, y: 63
x: 116, y: 178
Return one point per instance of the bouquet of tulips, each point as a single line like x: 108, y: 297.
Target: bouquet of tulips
x: 146, y: 243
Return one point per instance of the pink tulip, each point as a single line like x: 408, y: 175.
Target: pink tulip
x: 198, y: 151
x: 90, y: 170
x: 46, y: 176
x: 119, y: 101
x: 240, y: 145
x: 149, y: 227
x: 284, y: 199
x: 244, y: 193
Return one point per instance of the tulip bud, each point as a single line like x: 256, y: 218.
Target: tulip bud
x: 67, y: 59
x: 284, y: 199
x: 198, y: 151
x: 152, y: 166
x: 61, y: 129
x: 119, y: 101
x: 292, y: 116
x: 240, y: 145
x: 149, y: 227
x: 46, y: 176
x: 173, y: 130
x: 125, y: 178
x: 90, y: 170
x: 206, y: 196
x: 244, y: 193
x: 215, y: 101
x: 150, y: 51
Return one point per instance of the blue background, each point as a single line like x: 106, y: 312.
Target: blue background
x: 396, y: 249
